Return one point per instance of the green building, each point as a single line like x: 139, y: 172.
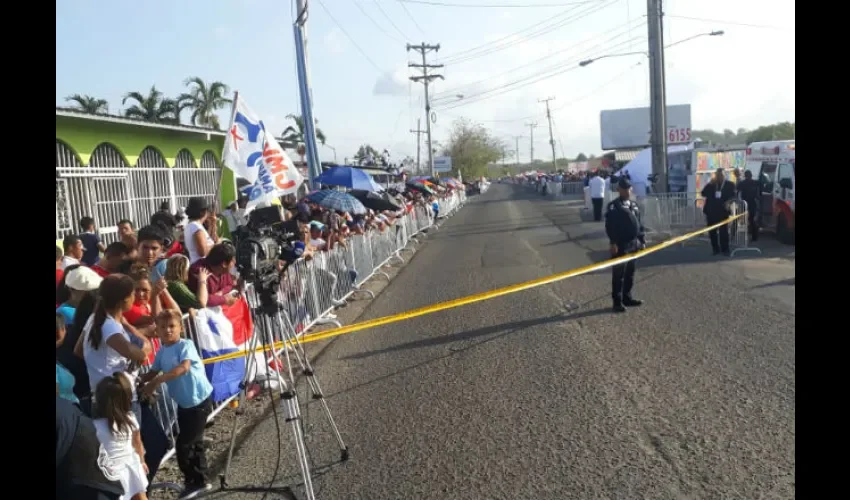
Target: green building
x: 113, y: 168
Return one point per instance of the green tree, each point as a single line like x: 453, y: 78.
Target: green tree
x: 295, y: 135
x: 777, y: 132
x: 153, y: 107
x: 89, y: 104
x: 581, y: 157
x: 472, y: 148
x: 363, y: 153
x: 203, y: 101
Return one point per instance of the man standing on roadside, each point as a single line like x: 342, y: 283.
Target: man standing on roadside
x: 716, y: 194
x: 750, y: 192
x: 596, y: 185
x: 625, y: 235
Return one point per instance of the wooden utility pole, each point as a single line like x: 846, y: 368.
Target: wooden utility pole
x: 418, y: 133
x: 426, y: 78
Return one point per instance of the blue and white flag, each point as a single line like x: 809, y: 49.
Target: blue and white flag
x: 253, y: 154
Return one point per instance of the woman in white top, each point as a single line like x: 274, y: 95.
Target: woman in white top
x: 118, y: 432
x: 197, y: 240
x: 105, y: 344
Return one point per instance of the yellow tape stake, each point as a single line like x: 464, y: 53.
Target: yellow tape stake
x: 478, y: 297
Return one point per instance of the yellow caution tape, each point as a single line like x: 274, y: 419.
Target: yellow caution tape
x: 478, y: 297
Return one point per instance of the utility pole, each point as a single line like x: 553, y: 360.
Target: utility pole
x: 551, y: 137
x: 517, y: 138
x: 532, y: 126
x: 658, y: 97
x: 426, y: 78
x: 305, y: 93
x: 418, y: 133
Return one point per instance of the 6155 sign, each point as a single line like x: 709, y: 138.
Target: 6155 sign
x: 678, y: 135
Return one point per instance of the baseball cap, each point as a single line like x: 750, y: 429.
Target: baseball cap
x: 82, y: 279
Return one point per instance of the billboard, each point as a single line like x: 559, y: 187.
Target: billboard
x: 629, y: 128
x: 442, y: 163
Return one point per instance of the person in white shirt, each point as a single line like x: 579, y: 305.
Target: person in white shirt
x: 73, y: 247
x: 597, y: 195
x: 196, y: 238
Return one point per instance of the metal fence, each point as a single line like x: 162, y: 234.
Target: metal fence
x: 666, y: 215
x: 312, y: 289
x: 109, y: 190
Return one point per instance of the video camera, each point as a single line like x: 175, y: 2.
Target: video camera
x: 262, y: 244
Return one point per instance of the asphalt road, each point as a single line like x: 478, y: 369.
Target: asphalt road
x: 545, y: 394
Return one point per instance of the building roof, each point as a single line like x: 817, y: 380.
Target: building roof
x: 75, y: 113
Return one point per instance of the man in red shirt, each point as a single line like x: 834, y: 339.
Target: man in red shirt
x: 219, y: 262
x: 115, y: 255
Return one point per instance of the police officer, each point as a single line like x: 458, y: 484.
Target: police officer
x: 626, y: 235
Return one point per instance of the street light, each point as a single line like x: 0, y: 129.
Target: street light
x: 710, y: 33
x: 332, y: 149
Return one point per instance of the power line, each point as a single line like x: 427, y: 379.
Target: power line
x: 405, y: 37
x: 454, y: 91
x: 497, y: 6
x: 380, y: 28
x: 551, y: 24
x: 730, y: 23
x: 350, y: 39
x: 510, y: 36
x: 524, y: 82
x: 412, y: 19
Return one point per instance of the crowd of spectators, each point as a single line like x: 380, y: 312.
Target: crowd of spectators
x: 118, y: 335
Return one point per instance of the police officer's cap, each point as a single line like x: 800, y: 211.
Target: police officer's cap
x: 624, y: 183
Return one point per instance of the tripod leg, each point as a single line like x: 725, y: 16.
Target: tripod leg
x: 315, y: 387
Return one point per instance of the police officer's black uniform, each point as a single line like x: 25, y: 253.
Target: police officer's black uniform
x: 750, y: 191
x: 625, y: 230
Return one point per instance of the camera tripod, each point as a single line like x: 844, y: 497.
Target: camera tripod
x: 265, y: 303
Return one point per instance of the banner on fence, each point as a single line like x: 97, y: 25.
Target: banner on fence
x: 224, y: 330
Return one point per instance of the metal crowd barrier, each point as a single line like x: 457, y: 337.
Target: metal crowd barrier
x: 313, y: 289
x: 666, y: 215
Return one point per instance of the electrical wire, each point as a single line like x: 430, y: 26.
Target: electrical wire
x: 510, y: 36
x: 730, y: 23
x: 549, y: 25
x: 412, y: 19
x: 380, y: 28
x: 350, y: 39
x: 405, y: 37
x: 496, y: 6
x: 555, y: 70
x: 458, y: 90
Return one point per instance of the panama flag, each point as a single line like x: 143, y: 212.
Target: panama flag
x: 253, y: 154
x: 224, y: 330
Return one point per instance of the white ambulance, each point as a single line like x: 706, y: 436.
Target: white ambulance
x: 773, y: 166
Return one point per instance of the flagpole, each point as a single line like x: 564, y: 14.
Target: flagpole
x: 216, y: 200
x: 314, y: 166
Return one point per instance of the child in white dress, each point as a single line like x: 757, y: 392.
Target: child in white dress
x: 118, y: 432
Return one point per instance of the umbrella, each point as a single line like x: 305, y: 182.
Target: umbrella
x: 419, y: 187
x: 349, y: 177
x: 337, y: 200
x: 376, y: 201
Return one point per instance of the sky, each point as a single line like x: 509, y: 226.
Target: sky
x: 501, y: 57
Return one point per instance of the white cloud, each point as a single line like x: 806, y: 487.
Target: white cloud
x: 392, y: 84
x: 334, y: 42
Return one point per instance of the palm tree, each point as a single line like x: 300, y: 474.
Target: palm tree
x: 295, y: 135
x: 89, y: 104
x: 152, y: 107
x: 204, y: 101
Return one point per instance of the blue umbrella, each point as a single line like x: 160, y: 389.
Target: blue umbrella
x: 337, y: 200
x: 349, y: 177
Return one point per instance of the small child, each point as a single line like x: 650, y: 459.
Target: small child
x: 91, y: 242
x: 179, y: 366
x: 118, y: 432
x: 64, y: 379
